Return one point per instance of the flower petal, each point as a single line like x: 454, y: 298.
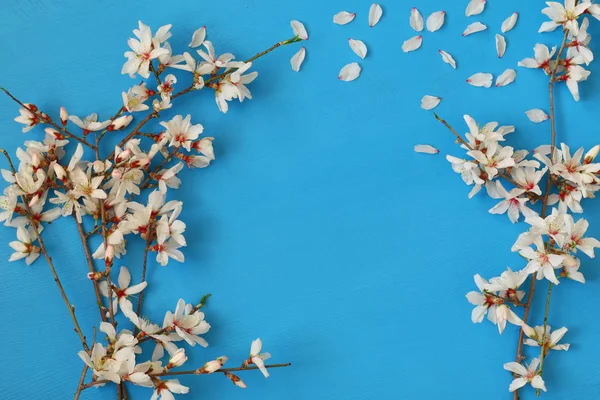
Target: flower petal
x: 349, y: 72
x: 430, y: 102
x: 412, y: 44
x: 536, y: 115
x: 425, y: 148
x: 358, y: 47
x: 506, y: 78
x: 299, y: 29
x: 500, y: 45
x: 448, y: 59
x: 343, y: 17
x: 375, y: 13
x: 435, y: 21
x: 481, y: 79
x: 474, y: 28
x: 298, y: 59
x: 475, y: 7
x: 509, y: 22
x: 198, y: 37
x: 416, y: 20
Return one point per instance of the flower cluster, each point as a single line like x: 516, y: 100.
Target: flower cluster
x: 124, y: 197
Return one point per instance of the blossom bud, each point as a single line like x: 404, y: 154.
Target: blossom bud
x: 64, y: 116
x: 569, y: 261
x: 236, y: 380
x: 94, y: 276
x: 122, y: 156
x: 177, y: 360
x: 98, y: 166
x: 205, y: 147
x: 53, y: 132
x: 109, y: 255
x: 34, y: 200
x: 213, y: 366
x: 31, y: 107
x: 120, y: 123
x: 591, y: 154
x: 116, y: 173
x: 529, y: 331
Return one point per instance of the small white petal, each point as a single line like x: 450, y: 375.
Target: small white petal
x: 416, y: 20
x: 475, y: 7
x: 343, y: 17
x: 350, y: 72
x: 510, y: 22
x: 536, y: 115
x: 375, y: 13
x: 358, y: 47
x: 448, y: 59
x: 298, y: 59
x: 425, y: 148
x: 435, y: 21
x: 481, y: 79
x: 299, y: 29
x: 500, y: 45
x: 474, y: 28
x: 412, y: 44
x: 430, y: 102
x: 506, y: 78
x: 198, y: 37
x: 548, y: 26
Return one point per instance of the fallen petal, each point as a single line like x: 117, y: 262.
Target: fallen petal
x: 475, y: 7
x: 299, y: 30
x: 436, y: 21
x: 298, y: 59
x: 481, y: 79
x: 500, y: 45
x: 358, y: 47
x: 506, y: 78
x: 448, y: 59
x: 375, y: 13
x: 412, y: 44
x: 343, y: 17
x: 536, y: 115
x: 416, y: 20
x: 430, y: 102
x: 350, y: 72
x: 510, y: 22
x: 474, y: 28
x: 425, y: 148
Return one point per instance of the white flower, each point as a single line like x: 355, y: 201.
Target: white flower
x: 541, y: 262
x: 86, y: 185
x: 27, y: 118
x: 211, y: 61
x: 123, y: 291
x: 134, y: 99
x: 570, y: 269
x: 513, y: 203
x: 187, y: 323
x: 89, y: 123
x: 24, y: 247
x: 542, y: 58
x: 526, y: 375
x: 528, y: 178
x: 177, y: 359
x: 550, y: 339
x: 495, y: 157
x: 213, y: 366
x: 143, y: 52
x: 575, y: 240
x: 257, y: 358
x: 566, y: 15
x: 164, y: 390
x: 181, y: 132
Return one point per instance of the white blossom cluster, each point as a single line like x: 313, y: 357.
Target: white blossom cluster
x: 552, y: 176
x: 64, y: 175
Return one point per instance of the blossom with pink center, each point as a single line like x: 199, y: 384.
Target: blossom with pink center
x: 525, y: 375
x: 541, y: 261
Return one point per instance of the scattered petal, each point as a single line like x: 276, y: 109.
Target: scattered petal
x: 506, y: 78
x: 510, y: 22
x: 481, y: 79
x: 198, y: 37
x: 448, y: 59
x: 475, y: 7
x: 430, y: 102
x: 474, y: 28
x: 358, y: 47
x: 425, y: 148
x: 350, y: 72
x: 343, y: 17
x: 416, y: 20
x: 536, y: 115
x: 436, y: 21
x: 412, y: 44
x: 298, y: 59
x: 299, y: 29
x: 375, y: 13
x: 500, y: 45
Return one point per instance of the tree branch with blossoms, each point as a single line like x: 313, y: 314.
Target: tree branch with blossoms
x: 551, y: 244
x: 55, y: 179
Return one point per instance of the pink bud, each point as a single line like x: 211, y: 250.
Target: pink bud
x: 116, y: 173
x: 64, y: 116
x: 121, y: 122
x: 59, y: 171
x: 124, y: 155
x: 110, y: 254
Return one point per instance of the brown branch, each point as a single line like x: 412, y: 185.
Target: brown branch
x: 80, y: 384
x: 47, y: 120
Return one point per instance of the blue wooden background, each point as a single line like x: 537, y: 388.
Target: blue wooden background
x: 317, y: 228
